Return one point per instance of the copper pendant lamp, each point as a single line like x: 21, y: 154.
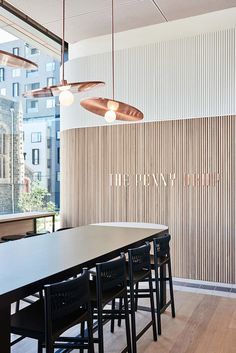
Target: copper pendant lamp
x: 112, y: 109
x: 64, y: 89
x: 16, y: 61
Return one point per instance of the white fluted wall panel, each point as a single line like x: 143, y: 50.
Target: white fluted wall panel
x: 184, y: 78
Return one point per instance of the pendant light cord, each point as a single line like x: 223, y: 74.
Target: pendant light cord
x: 113, y: 49
x: 63, y: 39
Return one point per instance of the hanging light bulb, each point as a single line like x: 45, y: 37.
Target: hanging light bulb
x: 112, y: 109
x: 66, y: 98
x: 110, y: 116
x: 64, y: 89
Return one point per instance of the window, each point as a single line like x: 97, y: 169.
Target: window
x: 2, y: 167
x: 58, y: 135
x: 15, y: 89
x: 16, y: 72
x: 16, y: 51
x: 50, y: 66
x: 32, y: 106
x: 2, y: 74
x: 34, y: 51
x: 2, y: 141
x: 31, y: 86
x: 35, y: 156
x: 37, y: 176
x: 50, y: 81
x: 58, y: 176
x: 58, y: 154
x: 32, y: 73
x: 50, y: 103
x: 3, y: 152
x: 35, y: 137
x: 3, y: 91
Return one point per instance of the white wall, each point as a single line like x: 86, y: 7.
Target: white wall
x: 191, y: 75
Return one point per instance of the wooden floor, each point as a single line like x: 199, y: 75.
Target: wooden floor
x: 203, y: 324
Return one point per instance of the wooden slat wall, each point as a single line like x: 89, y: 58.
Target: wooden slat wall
x: 201, y: 219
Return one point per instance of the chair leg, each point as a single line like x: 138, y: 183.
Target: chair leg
x: 136, y: 296
x: 120, y: 311
x: 100, y: 329
x: 82, y: 334
x: 133, y: 324
x: 157, y: 301
x: 49, y: 347
x: 171, y: 289
x: 90, y: 335
x: 154, y: 327
x: 112, y: 320
x: 40, y: 347
x: 127, y: 325
x: 17, y: 306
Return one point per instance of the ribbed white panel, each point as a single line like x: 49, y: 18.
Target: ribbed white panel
x: 184, y: 78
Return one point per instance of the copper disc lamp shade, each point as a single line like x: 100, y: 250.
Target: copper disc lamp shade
x: 64, y: 89
x: 15, y: 61
x: 108, y: 108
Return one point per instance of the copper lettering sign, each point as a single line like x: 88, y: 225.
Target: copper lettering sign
x: 164, y: 179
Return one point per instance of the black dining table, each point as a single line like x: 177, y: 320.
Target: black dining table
x: 26, y: 265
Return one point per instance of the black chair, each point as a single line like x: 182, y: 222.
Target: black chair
x: 65, y: 305
x: 161, y: 258
x: 110, y: 283
x: 139, y: 269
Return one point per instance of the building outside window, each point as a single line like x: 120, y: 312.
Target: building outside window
x: 2, y: 167
x: 34, y: 51
x: 31, y: 86
x: 50, y: 103
x: 3, y: 153
x: 50, y: 66
x: 15, y: 89
x: 3, y: 91
x: 34, y: 123
x: 58, y: 135
x: 2, y: 74
x: 32, y: 106
x: 58, y: 176
x: 16, y: 72
x: 38, y: 176
x: 51, y: 81
x: 16, y: 51
x: 58, y: 154
x: 35, y: 156
x: 32, y: 73
x: 36, y: 137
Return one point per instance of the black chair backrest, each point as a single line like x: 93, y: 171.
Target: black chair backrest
x: 66, y: 298
x: 111, y: 274
x: 162, y: 246
x: 139, y: 258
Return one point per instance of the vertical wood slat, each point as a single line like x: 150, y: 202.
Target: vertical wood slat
x: 201, y: 219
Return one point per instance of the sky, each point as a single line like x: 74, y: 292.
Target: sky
x: 5, y: 36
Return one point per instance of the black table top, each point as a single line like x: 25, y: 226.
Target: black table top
x: 37, y: 260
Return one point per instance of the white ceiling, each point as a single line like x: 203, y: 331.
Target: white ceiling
x: 91, y: 18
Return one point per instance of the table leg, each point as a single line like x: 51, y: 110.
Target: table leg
x: 162, y: 286
x: 35, y: 225
x: 5, y: 315
x: 53, y: 223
